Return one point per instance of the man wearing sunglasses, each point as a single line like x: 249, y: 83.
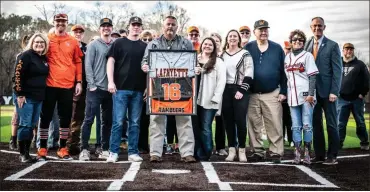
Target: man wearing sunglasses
x: 245, y: 34
x: 193, y: 36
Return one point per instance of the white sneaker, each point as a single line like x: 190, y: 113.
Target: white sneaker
x: 104, y: 155
x: 113, y: 157
x: 84, y: 155
x: 135, y: 158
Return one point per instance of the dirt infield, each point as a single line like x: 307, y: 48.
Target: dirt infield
x: 352, y: 173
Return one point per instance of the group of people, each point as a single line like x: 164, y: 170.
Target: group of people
x: 243, y: 85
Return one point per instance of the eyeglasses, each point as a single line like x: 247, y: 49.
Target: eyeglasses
x: 39, y: 42
x: 194, y: 34
x: 296, y: 39
x: 147, y: 40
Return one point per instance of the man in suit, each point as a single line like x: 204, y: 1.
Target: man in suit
x: 328, y: 60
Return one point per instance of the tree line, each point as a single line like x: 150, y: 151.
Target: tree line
x: 14, y: 27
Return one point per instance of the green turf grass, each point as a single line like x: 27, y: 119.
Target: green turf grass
x: 6, y: 114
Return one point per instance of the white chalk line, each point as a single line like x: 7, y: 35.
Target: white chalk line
x: 70, y: 180
x: 65, y: 161
x: 281, y: 184
x: 213, y: 176
x: 316, y: 176
x: 128, y: 176
x: 25, y: 171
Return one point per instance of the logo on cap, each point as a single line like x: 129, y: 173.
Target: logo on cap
x: 262, y: 22
x: 106, y: 20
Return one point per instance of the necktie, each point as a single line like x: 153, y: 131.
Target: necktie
x: 315, y: 49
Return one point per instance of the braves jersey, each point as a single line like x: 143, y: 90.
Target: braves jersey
x: 297, y: 69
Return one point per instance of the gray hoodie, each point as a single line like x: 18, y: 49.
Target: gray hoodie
x: 96, y: 64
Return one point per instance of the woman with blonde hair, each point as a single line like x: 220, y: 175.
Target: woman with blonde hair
x: 30, y: 76
x: 146, y: 36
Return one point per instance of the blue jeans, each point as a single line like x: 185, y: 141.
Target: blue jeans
x: 28, y: 116
x: 302, y: 119
x: 206, y: 116
x: 53, y: 137
x: 130, y: 102
x: 357, y: 108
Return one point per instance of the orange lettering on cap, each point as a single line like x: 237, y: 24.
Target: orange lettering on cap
x: 106, y: 20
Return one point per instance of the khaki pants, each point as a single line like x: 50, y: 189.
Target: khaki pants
x: 265, y: 110
x: 185, y: 134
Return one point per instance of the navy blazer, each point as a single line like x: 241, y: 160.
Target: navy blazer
x: 329, y: 63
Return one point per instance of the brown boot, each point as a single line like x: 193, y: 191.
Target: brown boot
x: 189, y: 159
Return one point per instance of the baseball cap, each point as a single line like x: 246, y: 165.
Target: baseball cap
x: 244, y: 28
x: 287, y: 45
x: 106, y: 21
x: 348, y: 45
x: 78, y: 26
x: 116, y: 33
x: 61, y: 16
x: 261, y: 24
x: 135, y: 19
x: 193, y: 28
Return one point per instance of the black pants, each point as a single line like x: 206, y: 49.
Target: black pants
x: 144, y: 130
x: 331, y: 115
x: 64, y: 97
x: 196, y: 120
x: 287, y: 122
x: 93, y: 101
x: 220, y: 133
x: 171, y: 130
x: 235, y: 113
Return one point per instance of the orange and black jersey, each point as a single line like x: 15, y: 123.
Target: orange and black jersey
x: 30, y: 75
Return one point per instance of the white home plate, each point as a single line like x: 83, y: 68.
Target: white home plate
x: 170, y: 171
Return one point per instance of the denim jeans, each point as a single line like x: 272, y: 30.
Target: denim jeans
x: 28, y: 116
x: 206, y: 116
x: 302, y: 119
x: 93, y: 101
x: 357, y: 108
x: 125, y: 101
x: 53, y: 137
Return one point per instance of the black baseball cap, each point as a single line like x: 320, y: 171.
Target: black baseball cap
x: 135, y: 19
x: 106, y: 21
x: 261, y: 24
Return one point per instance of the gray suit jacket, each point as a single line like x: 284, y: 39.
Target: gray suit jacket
x: 329, y: 63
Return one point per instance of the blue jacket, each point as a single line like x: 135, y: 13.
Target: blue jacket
x: 329, y: 63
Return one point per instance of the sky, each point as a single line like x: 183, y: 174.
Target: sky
x: 346, y: 21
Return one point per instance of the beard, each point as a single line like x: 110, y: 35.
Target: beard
x: 244, y: 40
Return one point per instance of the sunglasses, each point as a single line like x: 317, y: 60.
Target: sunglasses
x: 148, y: 40
x: 245, y: 33
x: 296, y: 39
x: 193, y: 34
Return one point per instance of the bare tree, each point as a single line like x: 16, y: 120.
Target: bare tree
x: 119, y: 14
x: 48, y: 13
x: 155, y: 17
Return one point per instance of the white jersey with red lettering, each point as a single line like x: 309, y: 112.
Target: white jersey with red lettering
x: 297, y: 69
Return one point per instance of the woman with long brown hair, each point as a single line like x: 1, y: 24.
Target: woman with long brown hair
x: 211, y: 87
x: 239, y: 70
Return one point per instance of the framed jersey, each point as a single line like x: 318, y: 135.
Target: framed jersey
x: 171, y: 85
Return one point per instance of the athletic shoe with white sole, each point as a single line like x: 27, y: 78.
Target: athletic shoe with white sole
x: 113, y: 157
x: 104, y: 155
x: 135, y: 158
x: 84, y: 155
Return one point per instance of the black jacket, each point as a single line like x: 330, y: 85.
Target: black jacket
x: 83, y: 49
x: 355, y: 80
x: 30, y: 75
